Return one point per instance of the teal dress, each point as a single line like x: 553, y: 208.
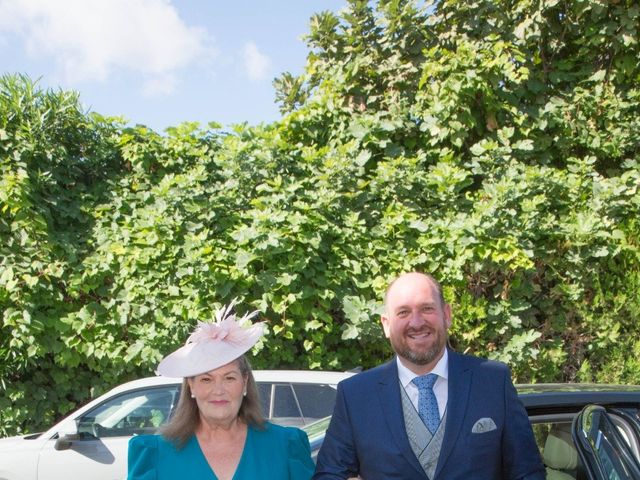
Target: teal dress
x: 273, y: 453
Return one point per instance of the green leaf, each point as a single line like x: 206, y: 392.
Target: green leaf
x: 600, y: 252
x: 349, y: 332
x: 362, y: 158
x: 477, y: 149
x: 525, y: 145
x: 133, y: 351
x: 243, y: 259
x: 598, y: 76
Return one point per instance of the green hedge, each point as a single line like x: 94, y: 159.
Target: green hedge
x: 500, y: 155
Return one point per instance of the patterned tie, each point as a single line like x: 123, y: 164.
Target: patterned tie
x: 427, y: 403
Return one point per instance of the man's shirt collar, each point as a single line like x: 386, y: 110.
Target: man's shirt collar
x: 441, y: 369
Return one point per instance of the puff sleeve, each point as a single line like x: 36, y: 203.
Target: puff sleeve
x: 142, y: 457
x: 301, y: 465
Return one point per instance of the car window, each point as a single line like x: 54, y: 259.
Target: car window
x: 296, y: 403
x: 264, y: 392
x: 603, y: 448
x: 284, y: 402
x: 557, y: 449
x: 625, y: 421
x: 139, y: 412
x: 316, y: 401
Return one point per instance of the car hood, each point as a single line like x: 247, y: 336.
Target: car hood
x: 21, y: 442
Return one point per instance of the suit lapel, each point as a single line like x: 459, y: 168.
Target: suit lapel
x: 389, y: 392
x: 459, y: 386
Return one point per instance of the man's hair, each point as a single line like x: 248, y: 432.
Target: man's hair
x: 435, y: 283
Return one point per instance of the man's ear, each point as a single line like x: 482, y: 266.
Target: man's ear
x: 385, y: 324
x: 446, y: 312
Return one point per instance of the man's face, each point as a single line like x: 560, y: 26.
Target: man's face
x: 416, y: 322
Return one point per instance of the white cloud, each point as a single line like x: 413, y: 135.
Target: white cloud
x: 256, y: 64
x: 92, y: 39
x: 159, y: 86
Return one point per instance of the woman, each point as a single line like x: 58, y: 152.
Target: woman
x: 217, y: 431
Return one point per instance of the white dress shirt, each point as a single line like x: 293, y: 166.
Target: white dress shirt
x: 440, y: 388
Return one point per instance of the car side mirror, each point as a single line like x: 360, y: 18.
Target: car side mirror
x: 66, y: 438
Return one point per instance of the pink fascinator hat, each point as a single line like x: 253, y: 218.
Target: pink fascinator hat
x: 212, y: 345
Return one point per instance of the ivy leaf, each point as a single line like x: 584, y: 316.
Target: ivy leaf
x: 598, y: 76
x: 363, y: 157
x: 133, y: 351
x: 244, y: 258
x: 350, y: 332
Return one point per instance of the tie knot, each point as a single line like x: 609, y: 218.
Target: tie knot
x: 425, y: 381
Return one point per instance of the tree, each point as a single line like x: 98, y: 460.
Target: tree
x: 500, y: 141
x: 492, y: 144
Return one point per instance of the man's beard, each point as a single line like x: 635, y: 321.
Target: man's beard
x: 421, y: 357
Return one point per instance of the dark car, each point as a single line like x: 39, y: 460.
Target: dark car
x: 583, y: 431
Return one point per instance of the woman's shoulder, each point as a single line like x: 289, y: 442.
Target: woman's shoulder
x: 144, y: 441
x: 292, y: 446
x: 149, y: 442
x: 287, y: 437
x: 273, y: 433
x: 142, y: 456
x: 274, y: 430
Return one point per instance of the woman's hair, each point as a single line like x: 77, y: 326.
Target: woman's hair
x: 183, y: 423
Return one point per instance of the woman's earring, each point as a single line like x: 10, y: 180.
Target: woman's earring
x: 193, y: 396
x: 244, y: 394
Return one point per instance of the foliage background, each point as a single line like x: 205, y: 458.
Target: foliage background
x: 492, y: 143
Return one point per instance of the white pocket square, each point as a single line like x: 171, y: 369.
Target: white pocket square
x: 483, y: 425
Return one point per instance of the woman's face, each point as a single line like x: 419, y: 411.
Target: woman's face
x: 219, y: 393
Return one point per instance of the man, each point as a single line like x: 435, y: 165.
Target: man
x: 463, y: 421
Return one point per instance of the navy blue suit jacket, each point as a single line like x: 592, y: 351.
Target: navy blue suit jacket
x: 367, y: 434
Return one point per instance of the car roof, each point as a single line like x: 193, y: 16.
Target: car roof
x: 562, y: 395
x: 293, y: 376
x: 301, y: 376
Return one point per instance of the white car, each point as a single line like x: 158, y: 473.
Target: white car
x: 91, y: 443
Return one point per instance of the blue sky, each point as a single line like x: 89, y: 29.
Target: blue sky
x: 161, y: 62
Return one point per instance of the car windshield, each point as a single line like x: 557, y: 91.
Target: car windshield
x: 136, y: 412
